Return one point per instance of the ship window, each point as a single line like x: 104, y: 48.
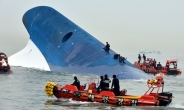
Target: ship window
x: 66, y: 37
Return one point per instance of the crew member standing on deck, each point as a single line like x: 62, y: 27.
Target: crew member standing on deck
x: 101, y: 86
x: 167, y: 65
x: 76, y: 82
x: 139, y: 57
x: 115, y: 83
x: 159, y: 67
x: 106, y: 82
x: 144, y: 57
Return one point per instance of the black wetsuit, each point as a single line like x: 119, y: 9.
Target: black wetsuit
x: 115, y: 83
x: 106, y: 83
x: 139, y: 57
x: 77, y: 84
x: 101, y: 86
x: 144, y: 57
x: 159, y: 67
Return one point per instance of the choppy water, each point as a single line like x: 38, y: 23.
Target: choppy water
x: 23, y: 89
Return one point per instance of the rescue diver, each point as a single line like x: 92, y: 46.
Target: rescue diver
x: 106, y: 82
x: 115, y: 83
x: 76, y: 82
x: 107, y: 47
x: 101, y: 87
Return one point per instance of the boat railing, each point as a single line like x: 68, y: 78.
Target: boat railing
x: 93, y: 80
x: 154, y: 84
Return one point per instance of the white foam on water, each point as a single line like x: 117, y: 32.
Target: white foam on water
x: 178, y: 105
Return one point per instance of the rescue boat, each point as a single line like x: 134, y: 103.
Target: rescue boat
x: 4, y: 65
x: 91, y: 94
x: 169, y: 69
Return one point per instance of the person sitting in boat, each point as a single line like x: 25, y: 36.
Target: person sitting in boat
x: 159, y: 66
x: 115, y: 83
x: 76, y: 82
x: 106, y: 82
x: 101, y: 87
x: 107, y: 47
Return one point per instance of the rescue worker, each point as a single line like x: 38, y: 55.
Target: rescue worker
x: 115, y: 83
x: 139, y: 57
x: 167, y: 65
x: 116, y: 56
x: 154, y: 63
x: 107, y: 47
x: 6, y: 59
x: 122, y: 59
x: 144, y: 57
x: 106, y: 82
x: 76, y: 82
x: 175, y: 65
x: 101, y: 87
x: 159, y: 66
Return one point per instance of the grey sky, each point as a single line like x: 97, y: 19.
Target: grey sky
x: 128, y: 25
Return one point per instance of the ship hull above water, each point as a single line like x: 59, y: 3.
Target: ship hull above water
x: 68, y: 48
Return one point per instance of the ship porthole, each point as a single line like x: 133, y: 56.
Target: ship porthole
x: 66, y: 37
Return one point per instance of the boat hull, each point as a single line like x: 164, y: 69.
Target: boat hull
x: 108, y: 97
x: 152, y: 70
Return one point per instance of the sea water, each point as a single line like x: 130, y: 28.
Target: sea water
x: 23, y: 89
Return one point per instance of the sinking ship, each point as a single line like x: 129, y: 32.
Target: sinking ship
x: 68, y: 48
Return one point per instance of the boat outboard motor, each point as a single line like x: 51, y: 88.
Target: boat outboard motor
x: 165, y: 98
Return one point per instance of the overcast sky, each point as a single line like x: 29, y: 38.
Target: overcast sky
x: 128, y: 25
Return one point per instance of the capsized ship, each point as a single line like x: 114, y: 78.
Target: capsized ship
x: 68, y: 48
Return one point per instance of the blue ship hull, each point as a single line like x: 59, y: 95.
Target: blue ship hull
x: 68, y: 48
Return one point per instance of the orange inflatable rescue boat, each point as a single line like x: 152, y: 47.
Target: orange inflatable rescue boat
x: 169, y: 69
x: 149, y: 98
